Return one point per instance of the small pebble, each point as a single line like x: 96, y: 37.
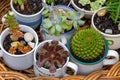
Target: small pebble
x: 101, y: 12
x: 28, y: 37
x: 109, y: 31
x: 119, y: 26
x: 31, y: 44
x: 14, y: 44
x: 23, y: 42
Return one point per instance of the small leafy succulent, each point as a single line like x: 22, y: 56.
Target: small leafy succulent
x: 52, y: 56
x: 113, y: 7
x: 57, y: 20
x: 13, y: 25
x: 20, y: 3
x: 87, y: 45
x: 97, y: 4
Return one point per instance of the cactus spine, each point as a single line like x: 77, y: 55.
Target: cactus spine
x: 87, y: 44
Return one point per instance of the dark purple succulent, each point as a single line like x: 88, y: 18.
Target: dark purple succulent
x: 52, y: 56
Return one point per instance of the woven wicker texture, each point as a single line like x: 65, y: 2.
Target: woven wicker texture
x: 107, y: 73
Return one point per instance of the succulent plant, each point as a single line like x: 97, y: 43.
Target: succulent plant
x: 52, y: 56
x: 97, y: 4
x: 57, y: 20
x: 13, y: 26
x: 113, y: 7
x: 87, y: 45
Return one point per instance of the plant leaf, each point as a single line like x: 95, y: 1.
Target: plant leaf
x: 47, y: 23
x: 20, y: 2
x: 15, y: 1
x: 71, y: 15
x: 57, y: 33
x: 58, y: 28
x: 84, y: 2
x: 75, y: 25
x: 79, y: 15
x: 81, y: 22
x: 95, y: 5
x: 52, y: 30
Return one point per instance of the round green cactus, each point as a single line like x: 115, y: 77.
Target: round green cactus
x: 87, y: 45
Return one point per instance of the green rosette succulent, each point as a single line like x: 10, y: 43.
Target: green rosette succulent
x: 87, y: 45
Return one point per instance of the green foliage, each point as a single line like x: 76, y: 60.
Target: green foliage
x: 87, y: 44
x: 113, y: 7
x: 50, y: 1
x: 94, y: 5
x: 57, y: 20
x: 20, y: 2
x: 10, y: 21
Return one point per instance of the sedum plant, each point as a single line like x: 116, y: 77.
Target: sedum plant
x: 113, y: 7
x: 13, y: 26
x: 97, y: 4
x: 57, y: 20
x: 87, y: 45
x: 52, y: 56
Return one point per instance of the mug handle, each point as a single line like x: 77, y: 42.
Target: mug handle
x: 111, y: 61
x: 73, y: 66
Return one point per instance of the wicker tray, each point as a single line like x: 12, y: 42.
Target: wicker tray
x: 107, y: 73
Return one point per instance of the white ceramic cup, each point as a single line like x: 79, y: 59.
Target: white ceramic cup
x: 32, y: 20
x: 86, y: 68
x: 18, y: 62
x: 114, y: 40
x: 60, y: 72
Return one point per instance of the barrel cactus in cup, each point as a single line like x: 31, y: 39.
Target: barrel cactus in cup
x: 87, y: 45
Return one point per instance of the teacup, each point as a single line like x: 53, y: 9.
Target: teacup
x: 18, y: 62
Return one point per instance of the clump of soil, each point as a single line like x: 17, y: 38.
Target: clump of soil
x: 104, y: 22
x: 31, y: 7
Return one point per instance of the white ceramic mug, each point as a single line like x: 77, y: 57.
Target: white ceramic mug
x: 114, y: 40
x: 86, y: 68
x: 32, y: 20
x: 60, y: 72
x: 18, y: 62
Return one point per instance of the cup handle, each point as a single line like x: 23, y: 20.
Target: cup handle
x: 1, y: 53
x: 111, y: 61
x: 73, y: 66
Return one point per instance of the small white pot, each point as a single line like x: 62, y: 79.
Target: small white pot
x: 88, y: 14
x: 114, y: 40
x: 86, y: 68
x: 30, y: 20
x: 18, y: 62
x: 60, y: 72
